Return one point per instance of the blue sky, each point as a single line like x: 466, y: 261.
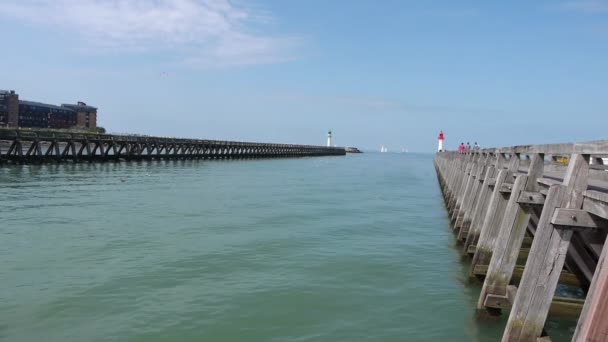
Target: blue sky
x: 375, y: 72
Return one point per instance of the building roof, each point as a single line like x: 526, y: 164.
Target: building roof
x: 77, y: 107
x: 43, y: 105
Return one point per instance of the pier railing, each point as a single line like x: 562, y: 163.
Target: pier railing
x: 25, y: 146
x: 534, y: 216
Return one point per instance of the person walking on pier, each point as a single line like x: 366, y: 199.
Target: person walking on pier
x: 476, y: 146
x: 468, y: 146
x: 461, y: 148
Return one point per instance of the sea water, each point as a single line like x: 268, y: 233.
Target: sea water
x: 354, y: 248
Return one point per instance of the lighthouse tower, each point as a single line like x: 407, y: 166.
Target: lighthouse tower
x: 329, y: 138
x: 440, y: 140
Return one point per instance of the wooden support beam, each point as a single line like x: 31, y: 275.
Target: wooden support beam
x: 491, y: 223
x: 596, y: 203
x: 560, y: 306
x: 506, y: 188
x: 508, y: 241
x: 531, y: 198
x: 565, y: 277
x: 577, y: 219
x: 547, y: 256
x: 483, y: 202
x: 513, y: 228
x: 471, y: 205
x: 593, y: 322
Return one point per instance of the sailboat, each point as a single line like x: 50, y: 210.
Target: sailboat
x: 383, y: 149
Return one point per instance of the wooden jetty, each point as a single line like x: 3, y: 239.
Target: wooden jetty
x: 529, y: 218
x: 38, y: 146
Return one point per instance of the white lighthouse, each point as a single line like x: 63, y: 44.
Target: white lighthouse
x: 329, y: 138
x: 440, y: 142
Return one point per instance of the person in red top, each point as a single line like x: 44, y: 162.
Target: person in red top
x: 461, y: 148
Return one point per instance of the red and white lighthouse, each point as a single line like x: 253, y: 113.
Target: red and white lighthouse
x: 440, y: 142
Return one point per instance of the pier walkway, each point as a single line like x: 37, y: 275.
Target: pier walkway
x: 530, y: 218
x: 38, y: 146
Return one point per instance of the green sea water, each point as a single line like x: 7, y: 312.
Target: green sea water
x: 354, y: 248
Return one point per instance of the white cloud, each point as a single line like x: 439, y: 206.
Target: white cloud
x: 205, y: 33
x: 589, y: 6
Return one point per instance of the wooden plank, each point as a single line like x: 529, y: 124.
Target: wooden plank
x: 593, y: 323
x: 560, y: 306
x: 511, y: 234
x: 565, y: 277
x: 591, y: 147
x: 547, y: 256
x: 467, y: 196
x: 506, y: 188
x: 491, y: 224
x: 462, y: 190
x: 577, y: 219
x: 480, y: 208
x: 504, y: 255
x: 548, y: 181
x: 596, y: 195
x: 481, y: 204
x: 596, y: 206
x: 471, y: 249
x: 531, y: 198
x: 471, y: 202
x: 534, y: 267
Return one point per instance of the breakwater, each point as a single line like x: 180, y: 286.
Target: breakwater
x: 38, y: 146
x: 531, y: 218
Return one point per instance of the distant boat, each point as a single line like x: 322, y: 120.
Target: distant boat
x: 383, y: 149
x: 404, y: 150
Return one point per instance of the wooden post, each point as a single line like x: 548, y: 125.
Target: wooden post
x: 547, y: 256
x: 467, y: 191
x: 458, y: 190
x: 484, y: 200
x: 451, y: 180
x: 496, y: 210
x: 511, y: 234
x: 476, y: 193
x: 496, y: 207
x: 593, y: 322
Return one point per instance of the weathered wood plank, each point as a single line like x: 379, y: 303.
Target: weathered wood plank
x: 577, y: 219
x: 504, y: 255
x: 547, y: 256
x: 596, y: 203
x: 531, y: 198
x: 565, y: 277
x: 491, y: 223
x: 593, y: 321
x: 591, y: 147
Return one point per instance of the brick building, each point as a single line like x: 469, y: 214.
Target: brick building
x: 20, y: 113
x: 9, y: 108
x: 86, y: 116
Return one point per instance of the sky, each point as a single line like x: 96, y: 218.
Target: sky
x: 387, y: 72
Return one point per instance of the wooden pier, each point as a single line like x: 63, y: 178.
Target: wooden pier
x: 529, y: 218
x: 39, y: 146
